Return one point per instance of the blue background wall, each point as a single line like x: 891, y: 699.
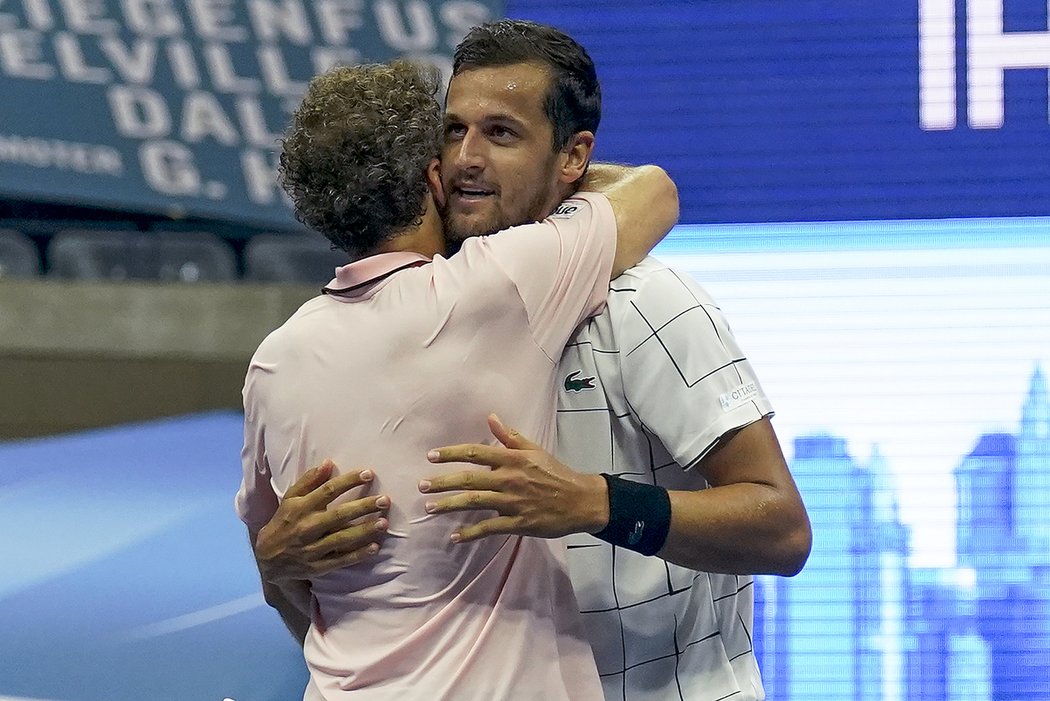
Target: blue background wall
x: 794, y: 111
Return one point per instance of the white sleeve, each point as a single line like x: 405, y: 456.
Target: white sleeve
x: 683, y: 373
x: 560, y: 266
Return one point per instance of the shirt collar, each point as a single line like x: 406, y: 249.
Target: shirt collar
x: 372, y: 269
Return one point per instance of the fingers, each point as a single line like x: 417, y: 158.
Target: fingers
x: 468, y: 501
x: 457, y: 481
x: 347, y: 559
x: 311, y: 480
x: 474, y: 453
x: 342, y: 518
x: 509, y: 436
x: 493, y: 526
x: 346, y: 542
x: 329, y: 491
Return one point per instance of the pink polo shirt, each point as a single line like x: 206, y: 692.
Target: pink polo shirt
x: 409, y: 359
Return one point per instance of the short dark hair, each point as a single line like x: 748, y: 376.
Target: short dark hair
x: 574, y: 101
x: 355, y: 156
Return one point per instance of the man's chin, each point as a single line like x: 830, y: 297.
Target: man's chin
x: 462, y: 228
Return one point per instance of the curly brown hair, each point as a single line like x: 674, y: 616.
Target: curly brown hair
x: 355, y: 156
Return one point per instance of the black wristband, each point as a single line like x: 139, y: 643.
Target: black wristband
x: 639, y: 515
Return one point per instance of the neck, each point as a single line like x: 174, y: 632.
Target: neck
x: 427, y: 239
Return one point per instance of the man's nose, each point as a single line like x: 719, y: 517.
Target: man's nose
x: 470, y: 153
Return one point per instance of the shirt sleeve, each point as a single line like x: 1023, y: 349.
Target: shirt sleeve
x: 256, y: 501
x: 560, y: 266
x: 683, y: 372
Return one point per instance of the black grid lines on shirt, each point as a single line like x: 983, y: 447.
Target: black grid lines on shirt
x: 603, y: 395
x: 714, y: 327
x: 670, y: 592
x: 688, y: 289
x: 677, y: 654
x: 740, y: 619
x: 674, y: 361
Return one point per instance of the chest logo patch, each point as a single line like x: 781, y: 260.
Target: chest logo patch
x: 578, y: 384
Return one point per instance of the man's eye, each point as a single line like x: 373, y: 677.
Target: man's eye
x: 502, y: 133
x: 455, y: 130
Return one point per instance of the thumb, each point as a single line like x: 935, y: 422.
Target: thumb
x: 508, y: 436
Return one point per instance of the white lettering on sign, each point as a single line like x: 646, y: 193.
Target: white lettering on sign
x: 183, y: 77
x: 38, y: 13
x: 459, y: 17
x: 337, y: 18
x: 203, y: 117
x: 21, y: 55
x: 91, y: 159
x: 990, y: 52
x: 154, y: 18
x: 213, y: 19
x: 408, y: 27
x: 274, y: 19
x: 169, y: 169
x: 88, y: 17
x: 136, y: 63
x: 138, y: 112
x: 260, y: 174
x: 72, y: 64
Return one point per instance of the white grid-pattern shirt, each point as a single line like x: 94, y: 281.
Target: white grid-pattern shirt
x: 648, y: 387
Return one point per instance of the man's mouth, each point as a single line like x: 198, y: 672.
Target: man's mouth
x: 472, y: 194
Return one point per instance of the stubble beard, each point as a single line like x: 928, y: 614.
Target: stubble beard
x: 456, y: 232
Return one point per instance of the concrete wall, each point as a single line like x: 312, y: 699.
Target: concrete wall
x: 76, y: 355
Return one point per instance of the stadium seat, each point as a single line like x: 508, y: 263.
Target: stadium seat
x: 18, y: 255
x: 291, y: 258
x: 191, y: 256
x: 98, y: 255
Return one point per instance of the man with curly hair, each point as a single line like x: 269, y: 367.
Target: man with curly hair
x: 656, y: 393
x: 406, y: 349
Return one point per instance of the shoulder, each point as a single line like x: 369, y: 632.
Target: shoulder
x: 301, y: 323
x: 650, y: 296
x: 653, y: 283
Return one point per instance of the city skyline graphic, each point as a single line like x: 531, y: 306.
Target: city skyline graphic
x: 907, y: 363
x: 858, y: 623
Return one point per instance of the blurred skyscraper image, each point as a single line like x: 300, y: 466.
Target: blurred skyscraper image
x: 839, y: 624
x: 1004, y: 539
x: 859, y: 624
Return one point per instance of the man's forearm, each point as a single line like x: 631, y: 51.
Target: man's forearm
x: 737, y: 529
x: 292, y: 601
x: 602, y: 176
x: 751, y: 520
x: 644, y: 201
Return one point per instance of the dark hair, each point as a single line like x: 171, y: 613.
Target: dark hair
x: 355, y: 156
x: 574, y: 101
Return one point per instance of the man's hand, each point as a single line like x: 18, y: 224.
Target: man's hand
x: 533, y: 493
x: 305, y: 538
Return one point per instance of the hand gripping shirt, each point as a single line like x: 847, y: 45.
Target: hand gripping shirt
x: 648, y: 388
x: 413, y: 355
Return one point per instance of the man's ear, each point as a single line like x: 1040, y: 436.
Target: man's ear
x: 434, y: 181
x: 576, y: 155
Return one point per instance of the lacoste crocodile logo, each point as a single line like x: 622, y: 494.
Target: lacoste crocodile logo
x: 578, y: 385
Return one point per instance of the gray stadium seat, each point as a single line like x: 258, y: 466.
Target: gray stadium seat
x: 191, y: 256
x: 98, y: 255
x: 291, y: 258
x: 18, y: 255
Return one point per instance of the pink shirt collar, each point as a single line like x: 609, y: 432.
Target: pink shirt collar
x: 372, y: 269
